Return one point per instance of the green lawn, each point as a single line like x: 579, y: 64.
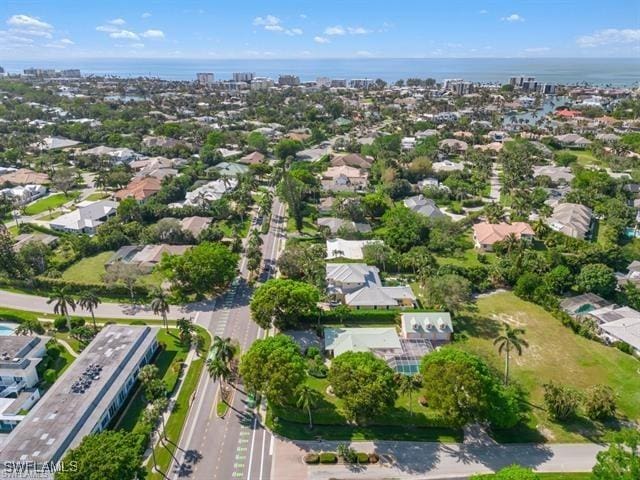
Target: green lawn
x: 548, y: 476
x: 585, y: 157
x: 554, y: 353
x: 168, y: 361
x: 330, y: 423
x: 89, y: 269
x: 97, y: 196
x: 50, y: 203
x: 308, y: 227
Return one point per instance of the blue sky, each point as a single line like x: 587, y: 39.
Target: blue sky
x: 31, y: 29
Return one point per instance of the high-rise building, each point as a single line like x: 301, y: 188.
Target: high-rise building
x: 243, y: 77
x: 360, y: 82
x: 261, y: 83
x: 205, y: 79
x: 338, y: 83
x: 323, y: 81
x: 457, y: 86
x: 289, y: 80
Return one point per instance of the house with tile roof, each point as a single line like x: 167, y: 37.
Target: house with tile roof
x: 485, y: 234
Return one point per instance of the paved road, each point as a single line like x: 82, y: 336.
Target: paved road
x: 236, y: 447
x: 417, y: 461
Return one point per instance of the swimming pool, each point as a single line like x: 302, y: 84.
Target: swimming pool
x: 6, y: 329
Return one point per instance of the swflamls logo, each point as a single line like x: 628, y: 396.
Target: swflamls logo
x: 36, y: 470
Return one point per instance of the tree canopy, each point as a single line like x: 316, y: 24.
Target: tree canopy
x: 282, y: 303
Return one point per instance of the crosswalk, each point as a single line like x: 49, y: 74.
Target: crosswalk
x: 223, y: 316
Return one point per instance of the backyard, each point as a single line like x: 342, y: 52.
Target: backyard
x: 554, y: 353
x: 50, y: 203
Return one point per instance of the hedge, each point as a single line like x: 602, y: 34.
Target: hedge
x: 362, y: 457
x: 47, y: 284
x: 355, y: 316
x: 328, y: 457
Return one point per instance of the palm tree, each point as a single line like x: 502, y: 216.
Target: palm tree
x: 223, y: 349
x: 89, y: 301
x: 62, y: 302
x: 510, y: 339
x: 160, y: 305
x: 308, y: 398
x: 408, y: 385
x: 511, y: 242
x: 219, y: 370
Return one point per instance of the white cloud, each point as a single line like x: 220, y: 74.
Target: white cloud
x: 266, y: 21
x: 302, y: 16
x: 124, y: 34
x: 274, y: 28
x: 29, y: 23
x: 335, y: 30
x: 67, y: 41
x: 319, y: 39
x: 145, y: 15
x: 106, y: 28
x: 137, y: 45
x: 483, y: 12
x: 364, y: 53
x: 514, y: 17
x: 340, y: 30
x: 152, y: 33
x: 609, y: 36
x: 536, y: 49
x: 271, y: 23
x: 358, y: 30
x: 117, y: 21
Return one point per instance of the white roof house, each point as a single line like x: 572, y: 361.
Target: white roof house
x: 434, y: 326
x: 571, y: 219
x: 339, y: 248
x: 423, y: 206
x: 626, y: 329
x: 86, y: 218
x: 341, y: 340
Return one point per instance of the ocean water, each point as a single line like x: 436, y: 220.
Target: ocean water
x: 593, y: 71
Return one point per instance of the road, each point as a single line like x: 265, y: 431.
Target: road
x: 422, y: 461
x: 236, y: 447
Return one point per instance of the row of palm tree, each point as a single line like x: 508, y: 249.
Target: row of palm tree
x: 219, y: 363
x: 63, y: 301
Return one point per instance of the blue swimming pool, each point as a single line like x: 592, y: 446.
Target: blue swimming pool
x: 6, y: 329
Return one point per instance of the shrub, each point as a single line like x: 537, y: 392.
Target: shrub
x: 374, y: 458
x: 50, y: 376
x: 623, y: 347
x: 347, y: 453
x: 76, y: 322
x: 312, y: 458
x: 599, y: 402
x: 53, y: 351
x: 60, y: 323
x: 362, y: 457
x: 328, y: 457
x: 561, y: 401
x: 138, y: 322
x: 312, y: 352
x: 423, y: 401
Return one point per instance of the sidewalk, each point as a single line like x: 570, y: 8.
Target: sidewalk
x: 418, y: 461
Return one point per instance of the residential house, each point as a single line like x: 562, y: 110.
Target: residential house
x: 335, y: 224
x: 344, y: 178
x: 86, y: 218
x: 230, y: 169
x: 582, y: 304
x: 485, y: 234
x: 423, y: 206
x: 145, y: 257
x: 351, y: 249
x: 408, y: 143
x: 379, y: 340
x: 54, y: 143
x: 117, y: 155
x: 433, y: 326
x: 358, y: 285
x: 19, y: 357
x: 572, y: 219
x: 557, y: 174
x: 447, y: 166
x: 572, y: 140
x: 195, y: 225
x: 140, y: 189
x: 207, y: 193
x: 253, y: 158
x: 25, y: 238
x: 352, y: 160
x: 453, y: 145
x: 24, y: 176
x: 23, y: 194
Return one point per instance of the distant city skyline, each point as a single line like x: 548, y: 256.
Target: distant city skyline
x: 287, y: 29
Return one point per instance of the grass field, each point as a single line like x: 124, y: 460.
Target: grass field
x: 51, y: 202
x: 585, y: 157
x: 168, y: 362
x: 555, y: 353
x: 97, y: 196
x: 330, y: 423
x: 91, y: 270
x: 548, y: 476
